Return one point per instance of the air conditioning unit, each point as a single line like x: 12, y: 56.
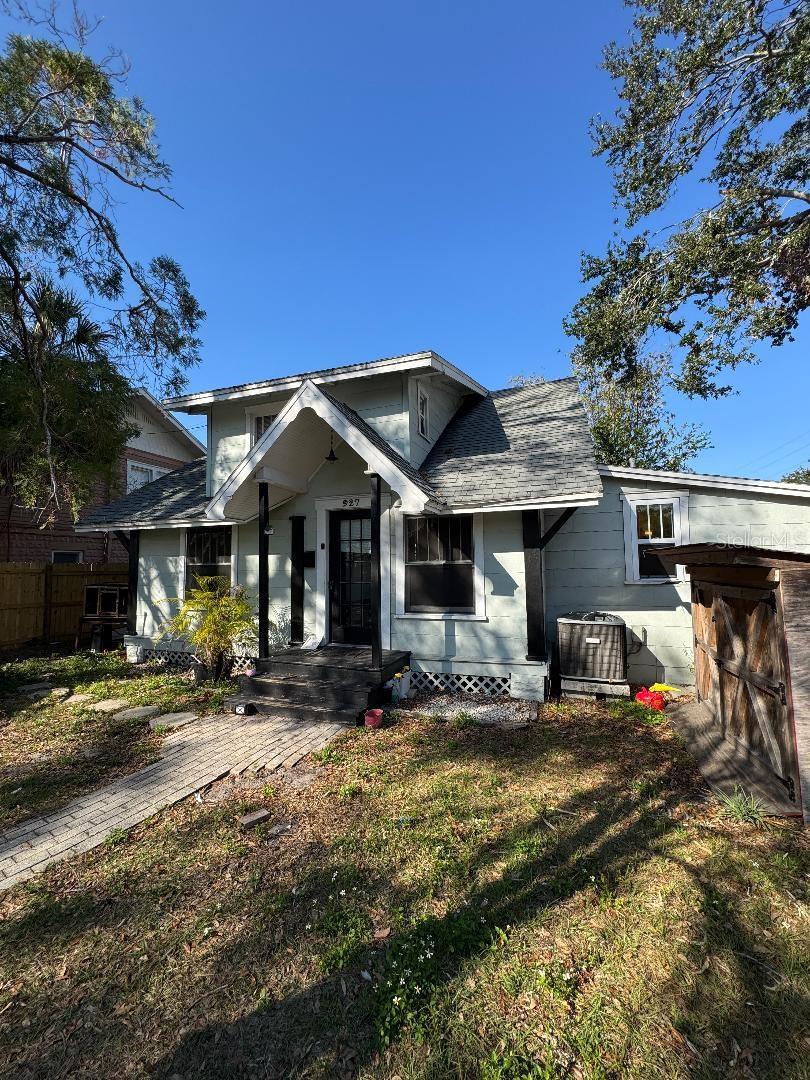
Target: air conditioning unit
x: 592, y: 646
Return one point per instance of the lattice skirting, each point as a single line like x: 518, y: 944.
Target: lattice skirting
x: 494, y: 685
x: 179, y: 658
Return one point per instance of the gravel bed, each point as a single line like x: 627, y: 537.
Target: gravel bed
x: 481, y: 708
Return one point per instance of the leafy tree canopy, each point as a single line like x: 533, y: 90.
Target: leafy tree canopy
x: 77, y: 312
x: 629, y: 419
x: 798, y: 476
x: 718, y: 90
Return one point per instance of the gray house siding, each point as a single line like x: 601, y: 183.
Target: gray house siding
x: 494, y: 644
x: 585, y: 567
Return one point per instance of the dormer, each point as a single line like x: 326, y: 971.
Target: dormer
x: 406, y: 400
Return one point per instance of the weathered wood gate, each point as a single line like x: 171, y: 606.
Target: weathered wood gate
x: 751, y: 620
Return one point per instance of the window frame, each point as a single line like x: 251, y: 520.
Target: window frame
x: 631, y: 500
x: 479, y: 591
x: 67, y: 562
x: 252, y: 414
x: 155, y: 470
x: 231, y: 574
x: 422, y: 396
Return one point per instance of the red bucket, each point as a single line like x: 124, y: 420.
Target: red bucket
x: 374, y: 717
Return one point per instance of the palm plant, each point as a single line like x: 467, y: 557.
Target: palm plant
x: 217, y: 620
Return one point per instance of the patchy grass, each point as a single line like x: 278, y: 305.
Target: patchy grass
x: 559, y: 901
x: 51, y: 752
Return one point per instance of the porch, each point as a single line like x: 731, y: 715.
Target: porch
x: 334, y: 682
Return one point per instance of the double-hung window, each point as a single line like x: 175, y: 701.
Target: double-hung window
x: 261, y: 424
x: 139, y: 474
x: 653, y: 521
x: 423, y: 412
x: 439, y: 564
x: 208, y: 553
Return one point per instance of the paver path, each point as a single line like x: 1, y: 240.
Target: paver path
x: 192, y: 758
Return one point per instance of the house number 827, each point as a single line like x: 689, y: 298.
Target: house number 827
x: 351, y: 502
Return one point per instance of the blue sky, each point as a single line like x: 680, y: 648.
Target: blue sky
x: 362, y: 179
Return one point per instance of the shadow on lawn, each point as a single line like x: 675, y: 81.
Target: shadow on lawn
x: 329, y: 1031
x: 293, y: 1036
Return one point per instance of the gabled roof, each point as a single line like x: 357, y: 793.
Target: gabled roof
x: 414, y: 491
x: 176, y: 498
x: 529, y: 446
x: 397, y: 460
x: 424, y: 361
x: 177, y: 429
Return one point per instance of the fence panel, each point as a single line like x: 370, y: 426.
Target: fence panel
x: 42, y: 602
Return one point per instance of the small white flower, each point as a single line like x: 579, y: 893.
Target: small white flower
x: 309, y: 926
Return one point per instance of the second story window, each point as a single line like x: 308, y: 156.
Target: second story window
x: 423, y: 412
x: 261, y: 424
x: 139, y: 474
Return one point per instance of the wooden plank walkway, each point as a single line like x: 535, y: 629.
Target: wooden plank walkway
x: 192, y: 758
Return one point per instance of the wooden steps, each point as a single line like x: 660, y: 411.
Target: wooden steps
x: 332, y: 683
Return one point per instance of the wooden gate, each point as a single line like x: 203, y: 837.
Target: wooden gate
x: 741, y: 670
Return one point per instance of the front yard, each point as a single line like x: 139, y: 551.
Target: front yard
x: 52, y: 750
x: 435, y: 899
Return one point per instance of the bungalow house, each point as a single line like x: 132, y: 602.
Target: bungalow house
x: 398, y: 511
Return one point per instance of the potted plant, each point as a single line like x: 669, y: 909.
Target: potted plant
x: 216, y: 621
x: 401, y: 685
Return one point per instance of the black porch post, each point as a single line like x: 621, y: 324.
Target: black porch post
x: 264, y: 571
x: 535, y: 603
x: 132, y: 600
x: 297, y: 578
x: 376, y: 612
x: 533, y: 544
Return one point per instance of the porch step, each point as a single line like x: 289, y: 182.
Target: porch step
x: 333, y: 663
x: 293, y: 710
x: 350, y: 691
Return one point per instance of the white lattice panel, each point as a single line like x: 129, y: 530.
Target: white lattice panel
x: 494, y: 685
x: 179, y: 658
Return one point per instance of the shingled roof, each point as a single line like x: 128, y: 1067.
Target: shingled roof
x: 413, y: 474
x: 178, y: 496
x: 526, y: 445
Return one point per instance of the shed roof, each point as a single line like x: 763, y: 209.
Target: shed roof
x: 528, y: 445
x: 728, y: 555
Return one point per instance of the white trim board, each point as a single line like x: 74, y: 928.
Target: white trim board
x: 479, y: 580
x: 409, y: 362
x: 553, y: 503
x: 707, y: 480
x: 310, y: 397
x: 323, y: 504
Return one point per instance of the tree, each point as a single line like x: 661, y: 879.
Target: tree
x: 630, y: 422
x: 53, y: 379
x: 718, y: 91
x: 798, y: 476
x: 69, y: 143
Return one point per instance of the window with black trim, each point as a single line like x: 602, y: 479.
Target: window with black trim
x: 439, y: 574
x: 208, y: 553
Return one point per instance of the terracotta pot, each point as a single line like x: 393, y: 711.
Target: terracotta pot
x: 374, y: 718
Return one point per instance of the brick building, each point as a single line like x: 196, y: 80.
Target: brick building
x: 161, y: 444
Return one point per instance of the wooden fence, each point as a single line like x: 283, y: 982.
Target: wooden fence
x: 41, y: 602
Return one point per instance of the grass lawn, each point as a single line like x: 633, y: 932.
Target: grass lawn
x: 51, y: 752
x: 448, y: 901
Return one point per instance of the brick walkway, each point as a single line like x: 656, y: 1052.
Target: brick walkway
x: 192, y: 758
